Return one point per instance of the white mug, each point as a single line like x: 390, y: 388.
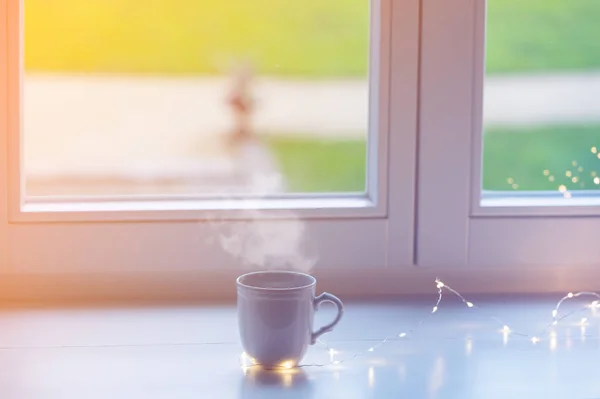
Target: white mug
x: 275, y: 314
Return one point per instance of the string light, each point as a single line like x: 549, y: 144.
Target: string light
x: 287, y: 365
x: 505, y: 329
x: 332, y: 353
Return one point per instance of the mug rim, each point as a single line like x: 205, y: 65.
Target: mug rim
x: 312, y: 283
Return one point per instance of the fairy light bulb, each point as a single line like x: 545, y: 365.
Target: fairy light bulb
x: 584, y: 321
x: 332, y: 353
x: 440, y: 284
x: 570, y: 295
x: 554, y: 313
x: 469, y: 304
x: 287, y: 365
x: 402, y: 335
x: 371, y: 349
x: 435, y: 308
x: 535, y: 340
x: 506, y: 329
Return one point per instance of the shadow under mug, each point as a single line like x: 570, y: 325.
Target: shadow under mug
x: 275, y: 315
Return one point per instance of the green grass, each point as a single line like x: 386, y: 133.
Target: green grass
x: 518, y: 154
x: 321, y: 166
x: 316, y: 38
x: 524, y: 154
x: 534, y: 35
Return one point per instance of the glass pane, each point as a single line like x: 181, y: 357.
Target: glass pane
x: 194, y: 96
x: 542, y: 92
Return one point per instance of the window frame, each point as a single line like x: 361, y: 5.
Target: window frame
x: 458, y: 231
x: 48, y: 239
x: 433, y: 77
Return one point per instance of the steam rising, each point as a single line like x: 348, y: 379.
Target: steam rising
x: 268, y: 244
x: 261, y: 241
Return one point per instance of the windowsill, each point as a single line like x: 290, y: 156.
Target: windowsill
x: 193, y: 351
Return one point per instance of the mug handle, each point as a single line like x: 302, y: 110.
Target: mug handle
x: 327, y: 297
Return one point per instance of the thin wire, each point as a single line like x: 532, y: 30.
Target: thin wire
x: 440, y: 285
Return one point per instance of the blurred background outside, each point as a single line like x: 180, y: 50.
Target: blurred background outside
x: 189, y: 96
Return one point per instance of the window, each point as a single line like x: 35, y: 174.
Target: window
x: 193, y: 97
x: 113, y: 160
x: 498, y: 142
x: 540, y: 119
x: 434, y: 134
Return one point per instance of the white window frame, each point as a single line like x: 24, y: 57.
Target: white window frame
x: 167, y: 235
x: 427, y: 59
x: 537, y: 242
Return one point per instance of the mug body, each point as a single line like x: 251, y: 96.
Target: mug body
x: 275, y: 316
